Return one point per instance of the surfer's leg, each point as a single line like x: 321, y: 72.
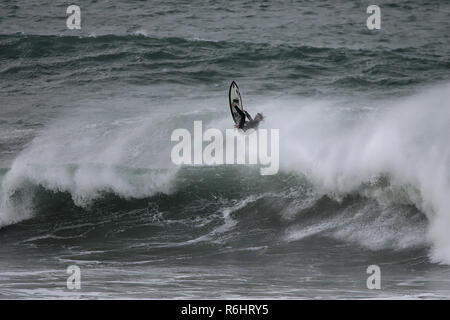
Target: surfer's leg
x: 241, y: 123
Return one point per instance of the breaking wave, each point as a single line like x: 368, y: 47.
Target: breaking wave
x: 375, y: 176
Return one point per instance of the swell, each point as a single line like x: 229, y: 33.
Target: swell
x: 146, y: 60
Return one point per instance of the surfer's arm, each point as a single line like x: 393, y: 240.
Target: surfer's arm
x: 248, y: 116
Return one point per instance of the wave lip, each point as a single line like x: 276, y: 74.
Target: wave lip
x: 85, y: 183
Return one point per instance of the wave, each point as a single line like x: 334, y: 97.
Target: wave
x: 369, y: 175
x: 202, y: 211
x: 145, y: 60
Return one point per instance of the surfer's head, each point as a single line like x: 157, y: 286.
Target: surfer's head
x: 259, y: 117
x: 235, y: 102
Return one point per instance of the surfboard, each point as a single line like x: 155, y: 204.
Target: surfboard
x: 235, y: 94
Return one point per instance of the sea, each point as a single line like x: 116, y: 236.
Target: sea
x: 360, y: 205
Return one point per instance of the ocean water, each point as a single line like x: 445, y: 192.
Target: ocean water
x: 86, y: 176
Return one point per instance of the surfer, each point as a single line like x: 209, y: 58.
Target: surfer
x: 251, y: 123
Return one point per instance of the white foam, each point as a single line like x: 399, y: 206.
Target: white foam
x: 87, y: 155
x: 405, y: 139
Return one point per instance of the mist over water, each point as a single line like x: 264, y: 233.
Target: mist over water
x: 86, y: 176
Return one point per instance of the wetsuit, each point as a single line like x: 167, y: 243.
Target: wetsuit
x: 245, y: 125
